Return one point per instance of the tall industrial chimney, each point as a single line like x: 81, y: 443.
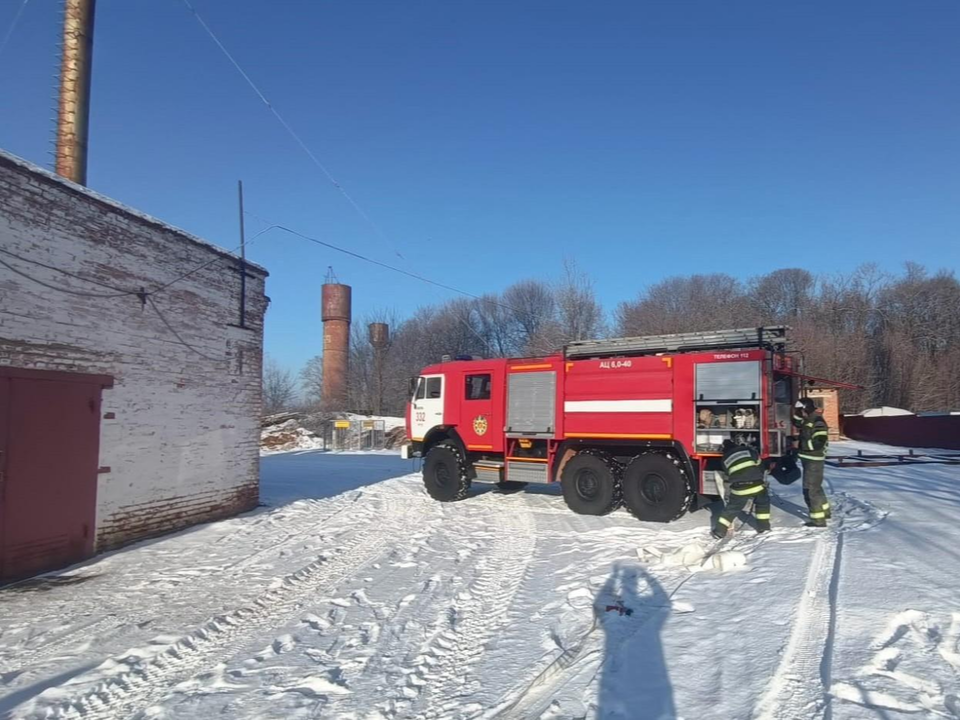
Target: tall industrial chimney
x: 336, y: 342
x: 379, y: 340
x: 74, y: 104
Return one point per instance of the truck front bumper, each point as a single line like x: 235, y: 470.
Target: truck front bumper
x: 410, y: 451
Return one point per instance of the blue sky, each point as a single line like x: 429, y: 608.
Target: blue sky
x: 489, y: 140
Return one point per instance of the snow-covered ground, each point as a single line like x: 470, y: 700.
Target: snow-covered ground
x: 352, y: 595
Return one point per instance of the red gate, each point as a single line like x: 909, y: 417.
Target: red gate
x: 49, y: 452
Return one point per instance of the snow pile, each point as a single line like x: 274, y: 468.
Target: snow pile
x: 286, y: 436
x: 298, y: 431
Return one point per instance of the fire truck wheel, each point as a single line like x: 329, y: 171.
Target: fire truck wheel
x: 444, y: 474
x: 655, y: 488
x: 589, y: 484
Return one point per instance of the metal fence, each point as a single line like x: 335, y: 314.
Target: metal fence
x: 354, y: 435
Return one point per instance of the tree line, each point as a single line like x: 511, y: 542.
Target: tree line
x: 896, y: 335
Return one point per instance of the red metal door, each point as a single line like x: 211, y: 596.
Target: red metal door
x: 50, y: 458
x: 480, y: 427
x: 4, y: 414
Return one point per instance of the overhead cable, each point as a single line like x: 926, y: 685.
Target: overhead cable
x: 198, y: 268
x: 145, y: 297
x: 177, y: 335
x: 378, y: 263
x: 119, y: 291
x: 290, y: 131
x: 11, y: 268
x: 13, y: 26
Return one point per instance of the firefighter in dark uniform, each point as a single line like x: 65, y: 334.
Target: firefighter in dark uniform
x: 744, y: 471
x: 812, y: 451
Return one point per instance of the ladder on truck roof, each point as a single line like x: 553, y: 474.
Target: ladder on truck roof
x: 773, y: 337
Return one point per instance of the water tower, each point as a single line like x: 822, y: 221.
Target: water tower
x: 336, y: 341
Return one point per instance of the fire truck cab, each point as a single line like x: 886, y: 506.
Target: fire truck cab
x: 636, y: 421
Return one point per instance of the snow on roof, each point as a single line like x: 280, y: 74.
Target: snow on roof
x: 885, y: 411
x: 116, y: 205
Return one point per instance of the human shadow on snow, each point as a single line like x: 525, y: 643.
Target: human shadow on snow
x: 633, y: 678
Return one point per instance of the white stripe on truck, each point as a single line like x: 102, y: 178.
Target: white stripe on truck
x: 618, y: 406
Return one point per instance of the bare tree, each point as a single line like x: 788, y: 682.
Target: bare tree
x: 898, y: 337
x: 311, y: 378
x: 579, y: 313
x: 782, y: 294
x: 371, y: 370
x: 686, y: 304
x: 533, y: 307
x: 279, y: 387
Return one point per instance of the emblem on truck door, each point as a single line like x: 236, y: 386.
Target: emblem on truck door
x: 480, y: 425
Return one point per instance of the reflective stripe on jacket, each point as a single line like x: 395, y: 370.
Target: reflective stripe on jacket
x: 741, y: 464
x: 814, y: 438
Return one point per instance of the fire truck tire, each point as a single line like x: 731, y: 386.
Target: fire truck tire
x: 655, y: 488
x: 589, y: 484
x: 445, y: 473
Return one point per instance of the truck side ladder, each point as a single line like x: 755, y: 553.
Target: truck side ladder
x: 772, y: 337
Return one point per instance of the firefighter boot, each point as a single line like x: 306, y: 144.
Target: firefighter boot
x: 818, y: 518
x: 721, y: 527
x: 763, y: 526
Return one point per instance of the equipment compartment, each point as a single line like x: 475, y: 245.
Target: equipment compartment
x: 715, y: 423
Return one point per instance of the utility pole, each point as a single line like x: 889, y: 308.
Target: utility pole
x: 73, y: 121
x: 243, y: 261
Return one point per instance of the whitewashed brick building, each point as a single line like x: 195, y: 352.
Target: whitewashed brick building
x: 122, y: 415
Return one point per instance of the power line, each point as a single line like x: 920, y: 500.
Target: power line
x: 119, y: 291
x: 13, y: 26
x: 176, y: 334
x: 387, y: 266
x: 144, y: 297
x: 197, y: 269
x: 22, y: 274
x: 290, y: 131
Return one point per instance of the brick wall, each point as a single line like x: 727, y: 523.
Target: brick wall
x: 828, y: 399
x: 180, y: 427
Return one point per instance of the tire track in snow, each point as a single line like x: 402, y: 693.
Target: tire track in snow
x: 120, y: 621
x: 445, y: 665
x: 799, y: 686
x: 128, y: 684
x: 580, y: 661
x: 415, y: 658
x: 435, y: 680
x: 388, y: 666
x: 797, y: 689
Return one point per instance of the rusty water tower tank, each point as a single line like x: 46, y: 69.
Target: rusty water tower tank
x: 336, y: 342
x: 379, y: 335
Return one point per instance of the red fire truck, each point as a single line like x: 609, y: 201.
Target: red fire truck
x: 634, y: 420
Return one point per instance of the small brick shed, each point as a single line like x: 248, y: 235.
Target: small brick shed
x: 828, y: 400
x: 121, y: 416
